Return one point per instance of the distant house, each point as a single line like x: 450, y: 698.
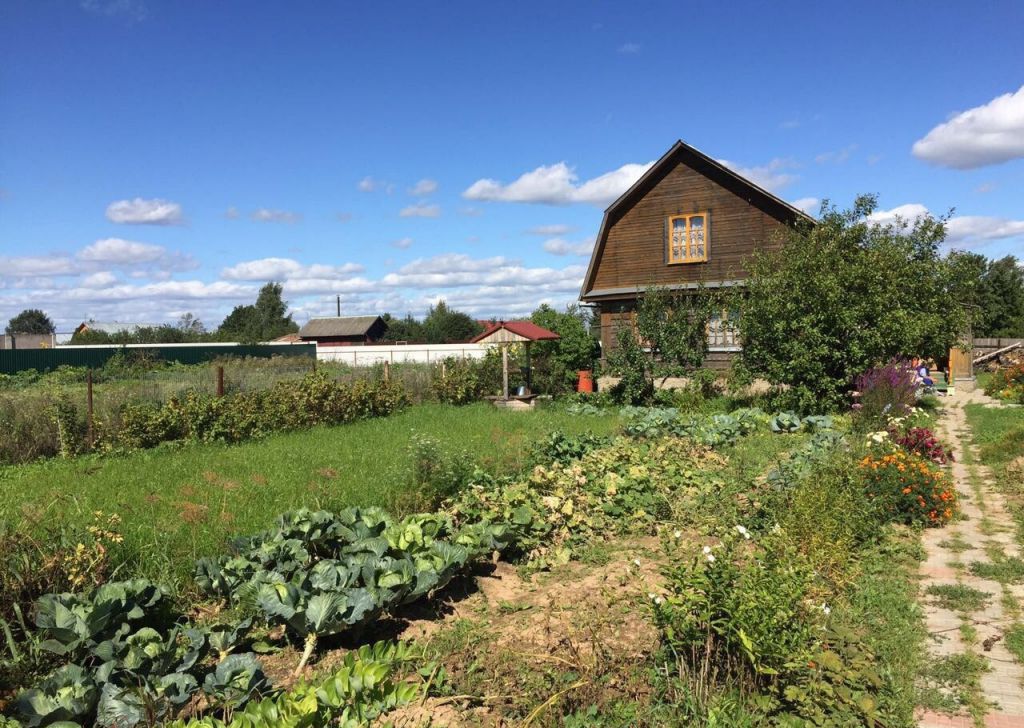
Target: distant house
x: 111, y: 327
x: 343, y: 330
x: 688, y: 222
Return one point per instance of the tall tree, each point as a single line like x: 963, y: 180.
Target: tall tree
x: 266, y: 319
x: 1001, y: 299
x: 556, y: 363
x: 403, y: 329
x: 843, y: 295
x: 31, y: 321
x: 443, y: 324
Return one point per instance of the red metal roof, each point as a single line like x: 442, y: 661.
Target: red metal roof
x: 526, y: 329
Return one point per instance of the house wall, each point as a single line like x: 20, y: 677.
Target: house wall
x: 635, y: 251
x: 616, y: 316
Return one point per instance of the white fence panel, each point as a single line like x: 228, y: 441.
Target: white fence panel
x: 364, y: 356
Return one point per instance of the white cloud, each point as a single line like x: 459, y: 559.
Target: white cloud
x: 909, y: 214
x: 139, y: 211
x: 371, y: 184
x: 456, y: 270
x: 421, y: 209
x: 988, y: 134
x: 232, y: 213
x: 423, y: 187
x: 977, y: 229
x: 556, y: 184
x: 266, y: 269
x: 810, y: 205
x: 963, y: 230
x: 121, y: 252
x: 836, y: 157
x: 402, y: 243
x: 41, y: 265
x: 772, y: 176
x: 266, y: 215
x: 102, y: 279
x: 629, y: 48
x: 559, y: 246
x: 547, y: 230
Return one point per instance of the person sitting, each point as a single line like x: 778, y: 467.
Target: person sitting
x: 921, y: 374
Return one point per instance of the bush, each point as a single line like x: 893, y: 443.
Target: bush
x: 885, y: 391
x: 1007, y: 383
x: 437, y: 473
x: 908, y: 489
x: 923, y: 442
x: 462, y: 381
x: 736, y: 612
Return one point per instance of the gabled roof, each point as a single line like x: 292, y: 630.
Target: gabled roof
x: 339, y: 326
x: 524, y: 329
x: 702, y: 163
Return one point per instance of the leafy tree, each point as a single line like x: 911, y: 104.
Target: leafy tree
x: 670, y: 338
x: 443, y: 324
x: 31, y: 321
x: 556, y: 363
x: 404, y: 329
x: 191, y: 325
x: 266, y: 319
x: 846, y: 294
x: 1000, y: 298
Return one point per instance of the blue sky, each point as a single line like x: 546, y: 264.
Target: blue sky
x: 158, y: 157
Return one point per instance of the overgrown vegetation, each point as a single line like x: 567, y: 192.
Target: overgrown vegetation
x: 842, y: 296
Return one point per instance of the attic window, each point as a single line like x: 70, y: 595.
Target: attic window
x: 688, y: 238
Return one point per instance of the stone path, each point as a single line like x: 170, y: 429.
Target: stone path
x: 987, y: 533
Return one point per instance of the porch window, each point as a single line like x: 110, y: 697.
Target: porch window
x: 688, y: 238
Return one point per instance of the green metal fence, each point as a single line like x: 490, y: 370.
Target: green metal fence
x: 13, y: 361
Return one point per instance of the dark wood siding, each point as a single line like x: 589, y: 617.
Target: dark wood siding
x: 617, y: 316
x: 634, y: 255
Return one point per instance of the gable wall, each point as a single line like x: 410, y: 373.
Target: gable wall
x: 635, y: 251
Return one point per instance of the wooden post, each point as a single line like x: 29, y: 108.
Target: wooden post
x: 387, y: 371
x: 444, y: 370
x: 220, y: 381
x: 529, y: 369
x: 89, y: 431
x: 504, y: 370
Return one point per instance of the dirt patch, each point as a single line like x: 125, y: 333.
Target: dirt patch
x: 548, y: 644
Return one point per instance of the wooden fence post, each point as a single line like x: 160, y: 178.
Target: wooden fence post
x: 89, y: 431
x: 220, y: 381
x: 387, y: 371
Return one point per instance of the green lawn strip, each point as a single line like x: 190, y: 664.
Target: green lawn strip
x: 999, y: 434
x: 181, y: 502
x: 882, y: 603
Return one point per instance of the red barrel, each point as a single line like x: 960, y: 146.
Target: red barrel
x: 586, y: 381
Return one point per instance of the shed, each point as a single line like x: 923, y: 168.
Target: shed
x: 343, y: 330
x: 504, y: 333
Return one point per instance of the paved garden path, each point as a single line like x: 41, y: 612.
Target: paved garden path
x: 953, y: 554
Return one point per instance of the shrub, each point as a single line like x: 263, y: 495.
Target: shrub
x: 885, y: 391
x: 735, y: 612
x: 908, y: 489
x: 462, y: 381
x: 922, y: 441
x: 437, y: 473
x: 1007, y: 383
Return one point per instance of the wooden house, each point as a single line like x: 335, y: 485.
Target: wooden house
x: 343, y: 330
x: 689, y: 221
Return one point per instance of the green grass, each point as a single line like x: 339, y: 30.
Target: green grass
x: 999, y: 433
x: 181, y: 502
x: 882, y: 604
x: 1014, y: 637
x: 1007, y: 570
x: 958, y: 597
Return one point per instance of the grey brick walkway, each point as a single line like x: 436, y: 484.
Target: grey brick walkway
x: 988, y: 528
